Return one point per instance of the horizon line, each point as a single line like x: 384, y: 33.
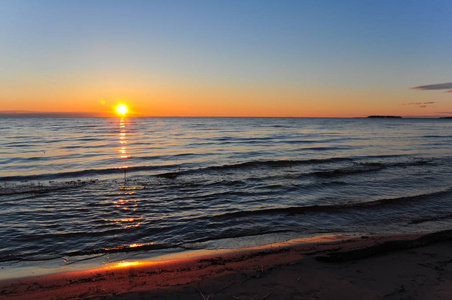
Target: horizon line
x: 31, y: 114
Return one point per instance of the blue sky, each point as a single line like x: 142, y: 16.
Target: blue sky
x: 302, y: 51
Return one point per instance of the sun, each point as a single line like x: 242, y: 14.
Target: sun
x: 121, y: 109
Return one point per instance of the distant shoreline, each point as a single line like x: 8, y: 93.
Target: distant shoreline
x: 384, y: 117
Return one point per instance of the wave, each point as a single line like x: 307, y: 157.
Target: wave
x: 50, y: 256
x: 79, y: 173
x: 437, y: 136
x: 62, y: 175
x: 185, y: 245
x: 432, y: 219
x: 355, y: 168
x: 276, y: 163
x: 174, y: 170
x: 358, y: 168
x: 125, y: 248
x: 40, y: 189
x: 295, y: 210
x: 237, y: 234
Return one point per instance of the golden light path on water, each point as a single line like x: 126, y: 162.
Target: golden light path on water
x: 127, y: 264
x: 125, y: 207
x: 122, y: 140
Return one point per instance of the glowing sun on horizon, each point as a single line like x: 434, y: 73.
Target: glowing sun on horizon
x: 121, y: 109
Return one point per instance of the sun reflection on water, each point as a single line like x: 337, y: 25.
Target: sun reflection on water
x: 124, y: 206
x: 124, y: 264
x: 122, y: 140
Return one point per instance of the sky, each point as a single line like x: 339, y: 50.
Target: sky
x: 227, y: 58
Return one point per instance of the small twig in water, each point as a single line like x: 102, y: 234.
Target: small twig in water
x: 225, y: 287
x: 202, y: 295
x: 267, y: 296
x: 243, y: 281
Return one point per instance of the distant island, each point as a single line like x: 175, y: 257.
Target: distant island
x: 445, y: 117
x: 385, y: 117
x: 42, y: 114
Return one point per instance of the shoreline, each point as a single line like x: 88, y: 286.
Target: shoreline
x: 314, y: 266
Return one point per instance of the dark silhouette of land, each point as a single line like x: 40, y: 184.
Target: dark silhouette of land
x: 384, y: 117
x: 35, y: 114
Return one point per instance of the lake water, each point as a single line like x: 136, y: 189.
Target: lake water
x: 76, y: 188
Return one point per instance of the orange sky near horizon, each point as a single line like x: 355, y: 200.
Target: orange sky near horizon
x: 250, y: 101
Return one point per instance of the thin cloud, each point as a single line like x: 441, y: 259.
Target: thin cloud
x: 420, y: 104
x: 440, y: 86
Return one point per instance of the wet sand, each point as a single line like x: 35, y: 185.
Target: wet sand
x: 329, y: 267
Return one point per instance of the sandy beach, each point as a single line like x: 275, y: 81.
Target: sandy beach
x: 327, y: 267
